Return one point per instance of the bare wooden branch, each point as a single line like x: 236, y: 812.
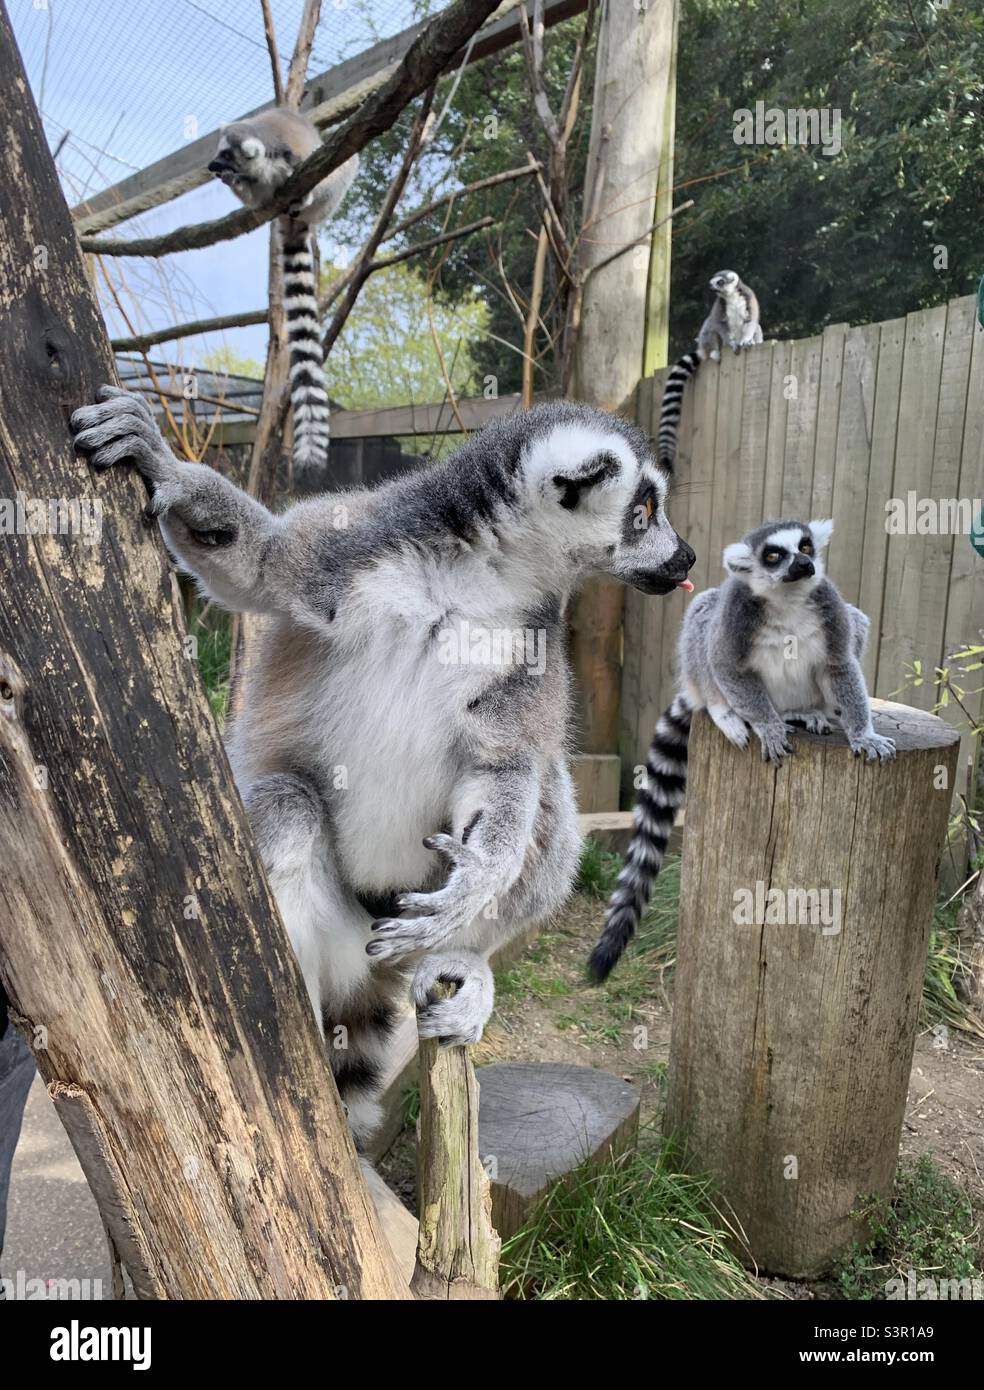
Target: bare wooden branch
x: 457, y: 1248
x: 360, y: 271
x: 271, y: 40
x: 506, y: 176
x: 297, y: 75
x: 424, y: 61
x: 639, y: 240
x: 141, y: 341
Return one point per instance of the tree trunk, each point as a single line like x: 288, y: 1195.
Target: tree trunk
x: 794, y: 1026
x: 635, y: 50
x: 139, y: 945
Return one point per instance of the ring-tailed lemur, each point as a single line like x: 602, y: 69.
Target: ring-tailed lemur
x: 255, y: 158
x: 734, y: 319
x: 402, y: 743
x: 775, y: 642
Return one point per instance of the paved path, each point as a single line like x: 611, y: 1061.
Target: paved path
x: 53, y: 1226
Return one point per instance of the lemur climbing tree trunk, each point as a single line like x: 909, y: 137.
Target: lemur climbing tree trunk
x: 139, y: 946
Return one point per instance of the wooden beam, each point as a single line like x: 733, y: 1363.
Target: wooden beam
x: 140, y: 948
x: 421, y: 420
x: 330, y: 97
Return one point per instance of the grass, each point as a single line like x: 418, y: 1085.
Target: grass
x: 929, y: 1227
x: 212, y: 630
x: 655, y: 945
x: 634, y: 1228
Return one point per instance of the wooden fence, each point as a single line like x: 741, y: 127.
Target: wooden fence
x: 832, y: 426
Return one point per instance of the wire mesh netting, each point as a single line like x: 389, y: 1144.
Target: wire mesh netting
x: 122, y: 83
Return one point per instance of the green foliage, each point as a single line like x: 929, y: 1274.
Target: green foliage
x: 851, y: 237
x: 636, y: 1228
x: 929, y: 1227
x: 385, y: 354
x: 225, y: 361
x: 213, y: 633
x: 598, y: 870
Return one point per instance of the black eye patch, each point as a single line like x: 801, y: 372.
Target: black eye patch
x: 806, y: 546
x: 773, y: 555
x: 571, y: 488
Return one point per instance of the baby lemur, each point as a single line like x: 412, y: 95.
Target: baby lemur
x: 402, y: 742
x: 775, y: 643
x: 254, y: 159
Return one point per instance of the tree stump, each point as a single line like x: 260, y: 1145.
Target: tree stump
x: 540, y: 1121
x: 792, y: 1044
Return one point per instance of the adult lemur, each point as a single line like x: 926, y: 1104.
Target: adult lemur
x: 734, y: 319
x: 255, y: 158
x: 401, y: 746
x: 775, y: 642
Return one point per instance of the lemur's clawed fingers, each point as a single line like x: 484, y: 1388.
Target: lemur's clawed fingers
x: 775, y: 745
x: 396, y: 937
x: 873, y: 746
x: 118, y: 428
x: 460, y: 1019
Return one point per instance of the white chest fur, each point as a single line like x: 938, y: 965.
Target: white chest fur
x: 789, y: 655
x: 736, y: 313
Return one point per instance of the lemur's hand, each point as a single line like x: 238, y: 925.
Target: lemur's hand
x: 122, y: 428
x: 461, y: 1018
x: 439, y: 914
x: 813, y: 720
x: 775, y: 743
x: 873, y: 746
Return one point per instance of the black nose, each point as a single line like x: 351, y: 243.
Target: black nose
x: 219, y: 166
x: 800, y: 567
x: 686, y: 556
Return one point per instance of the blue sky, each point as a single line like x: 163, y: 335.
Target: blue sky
x: 122, y: 78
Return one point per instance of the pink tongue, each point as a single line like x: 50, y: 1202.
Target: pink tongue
x: 686, y: 584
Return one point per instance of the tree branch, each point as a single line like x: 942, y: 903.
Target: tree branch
x: 297, y: 74
x: 271, y: 40
x: 590, y: 270
x: 188, y: 330
x: 422, y: 64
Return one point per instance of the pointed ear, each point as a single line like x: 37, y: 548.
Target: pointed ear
x: 738, y: 558
x: 574, y: 485
x: 821, y: 532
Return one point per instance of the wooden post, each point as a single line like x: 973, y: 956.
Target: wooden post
x: 628, y: 139
x: 792, y: 1044
x: 139, y: 945
x: 458, y: 1248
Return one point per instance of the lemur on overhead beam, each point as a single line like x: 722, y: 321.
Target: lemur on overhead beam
x: 402, y: 743
x: 774, y: 644
x: 254, y: 159
x: 734, y: 319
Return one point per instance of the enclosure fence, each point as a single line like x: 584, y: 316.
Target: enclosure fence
x: 833, y: 426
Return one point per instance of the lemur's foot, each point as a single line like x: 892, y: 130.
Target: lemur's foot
x: 873, y: 746
x: 731, y: 725
x: 448, y: 909
x: 715, y: 354
x: 461, y: 1018
x: 122, y: 428
x: 775, y: 744
x: 810, y: 719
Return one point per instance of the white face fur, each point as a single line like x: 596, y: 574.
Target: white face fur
x: 780, y: 561
x: 724, y: 282
x: 605, y: 506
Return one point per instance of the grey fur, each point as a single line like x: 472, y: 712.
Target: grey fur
x: 774, y: 644
x: 734, y: 319
x: 254, y: 159
x: 454, y: 824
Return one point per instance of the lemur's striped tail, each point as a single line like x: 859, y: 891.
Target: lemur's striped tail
x: 669, y: 416
x: 653, y: 816
x: 308, y: 397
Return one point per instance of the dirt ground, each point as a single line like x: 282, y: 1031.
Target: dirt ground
x: 546, y: 1011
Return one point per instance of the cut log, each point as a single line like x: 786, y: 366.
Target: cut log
x: 540, y: 1121
x: 139, y: 945
x: 794, y: 1018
